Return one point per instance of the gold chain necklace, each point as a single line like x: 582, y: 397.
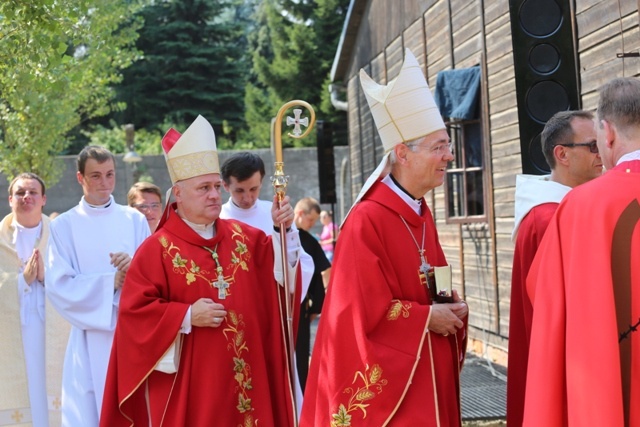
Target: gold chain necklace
x: 220, y: 284
x: 424, y: 268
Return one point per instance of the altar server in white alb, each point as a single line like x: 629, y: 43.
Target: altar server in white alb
x: 88, y: 255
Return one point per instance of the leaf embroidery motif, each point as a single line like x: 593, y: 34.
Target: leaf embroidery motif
x: 179, y: 264
x: 370, y: 385
x: 342, y: 418
x: 240, y: 256
x: 398, y: 309
x: 234, y: 334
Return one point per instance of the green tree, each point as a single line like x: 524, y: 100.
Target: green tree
x: 292, y: 54
x: 193, y: 64
x: 58, y: 61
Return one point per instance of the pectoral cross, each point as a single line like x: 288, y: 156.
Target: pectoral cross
x: 222, y: 287
x: 423, y: 269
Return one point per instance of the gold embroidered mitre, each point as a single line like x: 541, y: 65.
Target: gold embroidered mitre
x: 193, y: 153
x: 404, y: 109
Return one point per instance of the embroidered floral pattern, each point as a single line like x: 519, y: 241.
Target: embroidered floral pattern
x: 372, y: 383
x: 189, y: 269
x: 234, y: 333
x: 240, y: 257
x: 398, y: 309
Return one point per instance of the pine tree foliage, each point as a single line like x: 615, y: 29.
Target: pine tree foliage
x: 292, y: 54
x: 193, y: 64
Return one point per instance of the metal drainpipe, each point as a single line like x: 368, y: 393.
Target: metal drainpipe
x: 335, y: 101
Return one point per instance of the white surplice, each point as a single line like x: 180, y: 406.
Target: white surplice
x: 80, y: 285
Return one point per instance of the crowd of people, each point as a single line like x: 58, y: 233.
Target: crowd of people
x: 174, y: 313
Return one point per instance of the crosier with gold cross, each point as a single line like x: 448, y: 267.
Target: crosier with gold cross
x: 279, y: 181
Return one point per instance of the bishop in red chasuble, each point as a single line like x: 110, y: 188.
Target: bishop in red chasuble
x: 232, y: 375
x: 385, y: 353
x: 375, y: 362
x: 203, y: 290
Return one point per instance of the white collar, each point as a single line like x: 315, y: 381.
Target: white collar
x: 205, y: 231
x: 103, y: 206
x: 236, y: 207
x: 26, y: 231
x: 414, y: 203
x: 634, y: 155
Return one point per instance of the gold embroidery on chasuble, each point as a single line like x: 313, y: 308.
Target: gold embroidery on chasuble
x: 398, y: 309
x: 237, y: 345
x: 370, y: 384
x: 239, y: 258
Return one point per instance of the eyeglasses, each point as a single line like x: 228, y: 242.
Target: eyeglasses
x: 144, y: 206
x: 438, y: 150
x: 593, y: 146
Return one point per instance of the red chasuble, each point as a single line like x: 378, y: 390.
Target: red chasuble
x: 234, y: 375
x: 530, y: 233
x: 585, y: 288
x: 374, y: 362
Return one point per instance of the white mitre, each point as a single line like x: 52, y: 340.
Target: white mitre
x: 193, y: 153
x: 403, y: 111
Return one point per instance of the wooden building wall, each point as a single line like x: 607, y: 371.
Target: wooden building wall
x: 445, y: 34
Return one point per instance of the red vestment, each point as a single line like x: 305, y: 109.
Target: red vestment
x: 233, y: 375
x: 530, y: 234
x: 574, y: 375
x: 374, y: 361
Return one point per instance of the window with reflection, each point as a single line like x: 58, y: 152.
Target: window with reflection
x: 457, y: 95
x: 464, y: 190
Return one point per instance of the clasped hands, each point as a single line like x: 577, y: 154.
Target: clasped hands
x: 34, y: 268
x: 447, y: 318
x: 121, y: 261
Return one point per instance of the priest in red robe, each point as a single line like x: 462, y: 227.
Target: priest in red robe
x: 200, y: 339
x: 569, y: 146
x: 584, y: 284
x: 386, y: 353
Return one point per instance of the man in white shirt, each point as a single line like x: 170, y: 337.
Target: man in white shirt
x: 242, y: 176
x: 88, y: 256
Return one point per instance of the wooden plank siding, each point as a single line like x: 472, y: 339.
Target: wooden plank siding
x: 446, y: 34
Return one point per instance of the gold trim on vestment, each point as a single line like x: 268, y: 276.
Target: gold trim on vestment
x: 425, y: 333
x: 435, y: 388
x: 144, y: 378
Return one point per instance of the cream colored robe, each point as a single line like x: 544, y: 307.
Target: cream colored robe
x: 14, y: 395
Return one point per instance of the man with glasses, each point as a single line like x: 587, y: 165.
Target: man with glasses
x: 147, y: 198
x: 386, y: 351
x: 569, y: 146
x: 585, y: 285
